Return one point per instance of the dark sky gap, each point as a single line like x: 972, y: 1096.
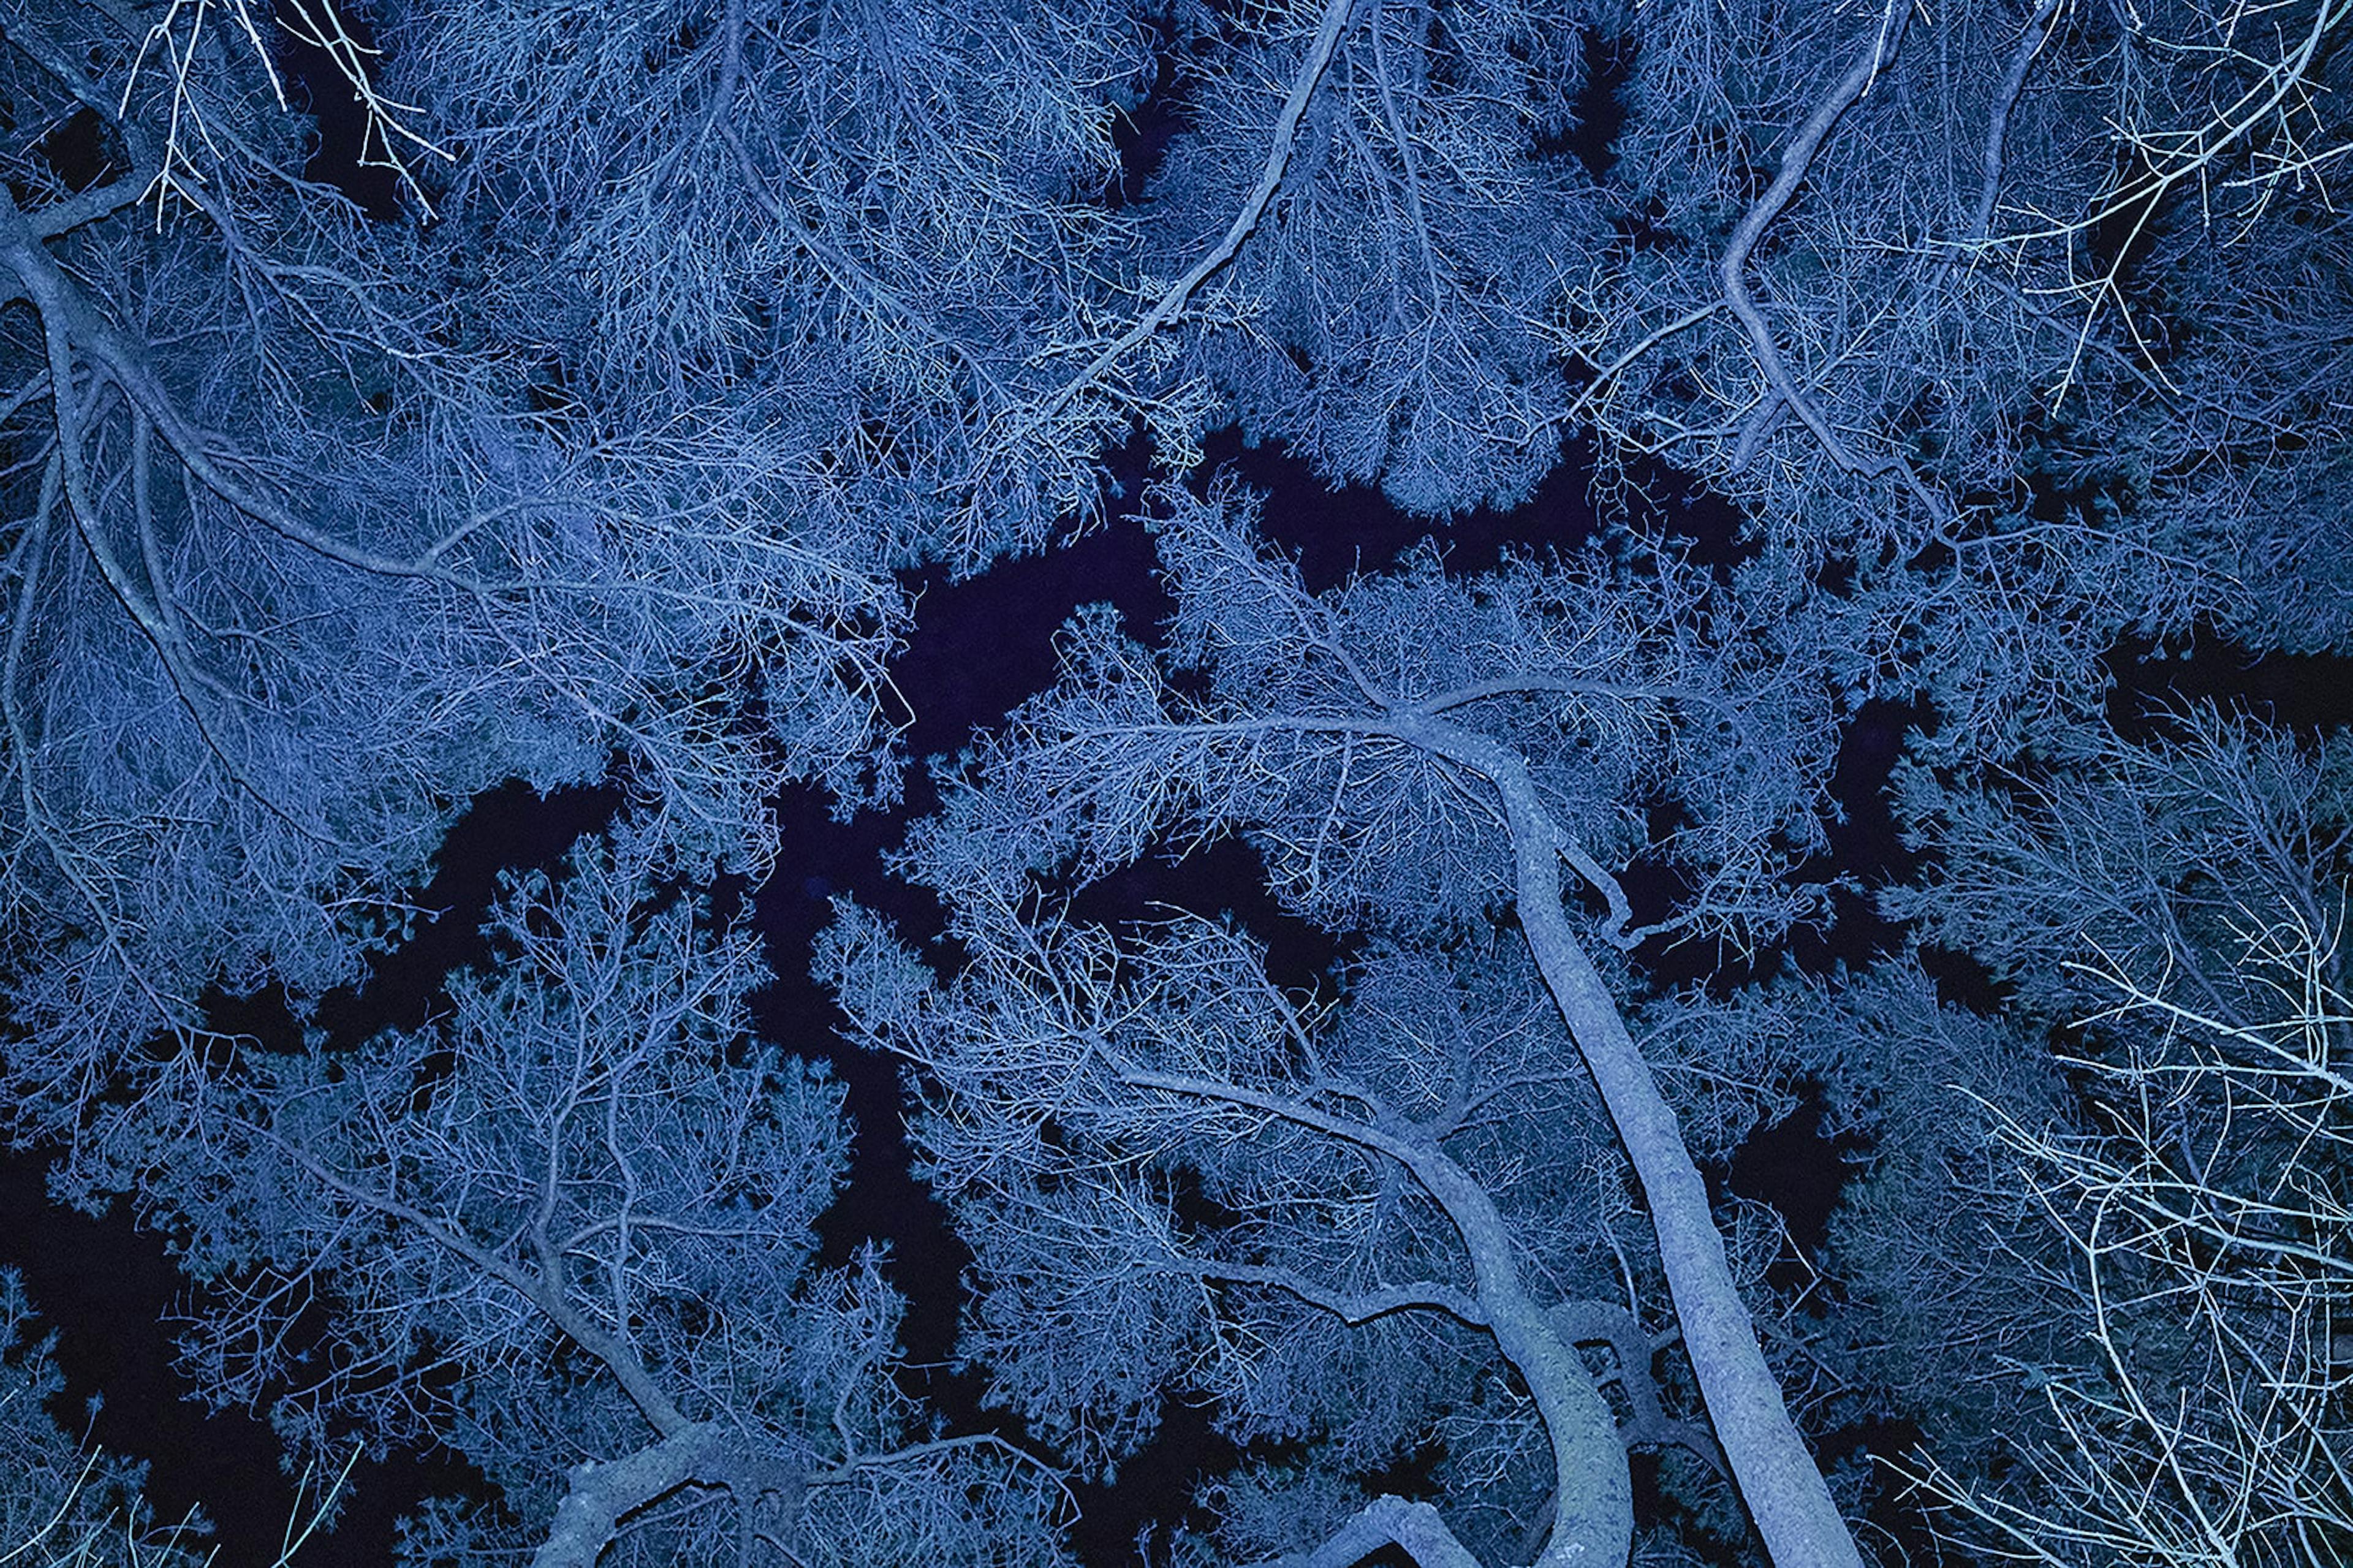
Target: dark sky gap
x: 1154, y: 1486
x: 2304, y: 692
x: 983, y: 647
x: 1601, y: 108
x: 1799, y: 1167
x: 1590, y: 131
x: 104, y: 1287
x: 511, y: 829
x: 341, y: 155
x: 111, y: 1288
x: 980, y: 647
x: 1141, y: 134
x: 82, y: 150
x: 110, y: 1291
x: 1336, y: 533
x: 1226, y: 878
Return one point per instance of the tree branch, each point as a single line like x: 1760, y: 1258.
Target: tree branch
x: 1592, y: 1512
x: 1171, y: 304
x: 1777, y: 1478
x: 600, y: 1495
x: 1414, y: 1528
x: 1731, y: 271
x: 2013, y: 82
x: 1607, y: 1322
x: 1352, y: 1308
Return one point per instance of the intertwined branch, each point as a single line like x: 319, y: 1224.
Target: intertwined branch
x: 2213, y: 1240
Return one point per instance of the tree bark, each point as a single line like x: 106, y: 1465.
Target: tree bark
x: 1414, y: 1528
x: 600, y: 1496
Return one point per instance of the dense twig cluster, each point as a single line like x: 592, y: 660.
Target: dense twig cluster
x: 600, y: 448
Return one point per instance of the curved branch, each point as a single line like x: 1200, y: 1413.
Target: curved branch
x: 1592, y: 1514
x: 1731, y: 271
x: 46, y: 286
x: 654, y: 1405
x: 1352, y: 1308
x: 76, y: 322
x: 1607, y: 1322
x: 862, y: 1464
x: 1776, y: 1477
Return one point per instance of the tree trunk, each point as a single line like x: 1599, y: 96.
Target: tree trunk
x: 1776, y: 1475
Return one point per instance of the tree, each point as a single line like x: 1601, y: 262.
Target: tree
x: 1386, y: 321
x: 1411, y: 752
x: 872, y: 235
x: 565, y: 1232
x: 1877, y: 243
x: 2139, y: 1363
x: 593, y: 450
x: 292, y: 573
x: 2016, y: 320
x: 2203, y: 1212
x: 2150, y: 850
x: 1934, y: 1279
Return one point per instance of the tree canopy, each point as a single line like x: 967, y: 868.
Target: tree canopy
x: 403, y: 401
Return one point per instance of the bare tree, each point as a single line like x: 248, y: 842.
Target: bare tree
x: 2141, y: 1172
x: 1411, y: 752
x: 2204, y: 1214
x: 566, y: 1233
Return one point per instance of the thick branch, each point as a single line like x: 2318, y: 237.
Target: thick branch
x: 1606, y: 1323
x: 1415, y: 1528
x: 600, y: 1496
x: 1352, y: 1308
x: 2013, y: 82
x: 1732, y: 270
x: 1593, y: 1505
x: 1776, y: 1477
x: 64, y: 306
x: 1396, y: 729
